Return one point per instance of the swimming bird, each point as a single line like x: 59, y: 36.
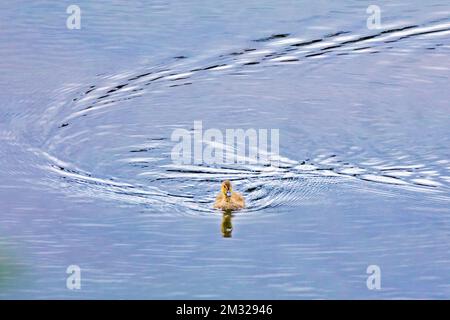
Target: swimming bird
x: 227, y: 199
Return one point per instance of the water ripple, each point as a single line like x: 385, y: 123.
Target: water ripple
x: 142, y: 174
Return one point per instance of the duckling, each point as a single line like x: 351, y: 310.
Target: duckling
x: 227, y: 199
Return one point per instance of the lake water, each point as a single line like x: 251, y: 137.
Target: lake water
x: 87, y: 178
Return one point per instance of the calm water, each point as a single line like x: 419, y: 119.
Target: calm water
x: 86, y: 175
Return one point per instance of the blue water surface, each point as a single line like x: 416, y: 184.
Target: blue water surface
x: 87, y: 178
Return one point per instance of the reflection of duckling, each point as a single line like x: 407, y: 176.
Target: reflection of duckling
x: 226, y: 226
x: 227, y: 199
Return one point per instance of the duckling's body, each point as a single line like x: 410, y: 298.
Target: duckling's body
x: 235, y: 202
x: 229, y: 200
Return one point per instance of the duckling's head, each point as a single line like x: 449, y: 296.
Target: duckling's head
x: 226, y: 188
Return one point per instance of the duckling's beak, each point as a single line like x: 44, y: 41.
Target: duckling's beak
x: 228, y: 193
